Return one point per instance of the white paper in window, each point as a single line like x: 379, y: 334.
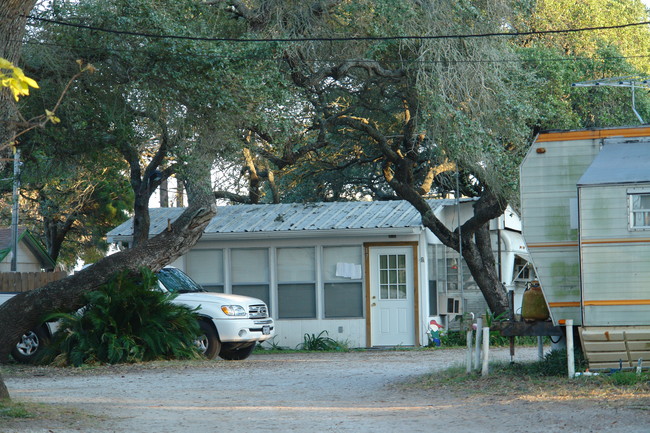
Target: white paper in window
x: 348, y: 270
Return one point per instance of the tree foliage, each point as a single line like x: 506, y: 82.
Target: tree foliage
x: 556, y: 61
x: 631, y: 42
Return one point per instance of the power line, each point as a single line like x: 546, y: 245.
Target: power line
x: 314, y: 60
x: 335, y: 39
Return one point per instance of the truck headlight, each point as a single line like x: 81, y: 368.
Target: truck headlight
x: 233, y: 310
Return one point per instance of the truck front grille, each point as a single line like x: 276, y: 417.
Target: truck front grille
x: 258, y: 311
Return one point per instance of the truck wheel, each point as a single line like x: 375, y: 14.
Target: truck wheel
x: 31, y: 345
x: 208, y: 342
x: 242, y: 352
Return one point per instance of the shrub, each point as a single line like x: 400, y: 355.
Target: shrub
x: 459, y: 339
x: 127, y: 320
x: 321, y: 342
x: 553, y: 364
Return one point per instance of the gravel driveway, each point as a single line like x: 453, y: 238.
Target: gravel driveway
x: 332, y: 392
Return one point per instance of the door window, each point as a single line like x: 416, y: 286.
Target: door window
x: 392, y: 276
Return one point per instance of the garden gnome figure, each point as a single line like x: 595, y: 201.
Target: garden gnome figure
x: 434, y: 332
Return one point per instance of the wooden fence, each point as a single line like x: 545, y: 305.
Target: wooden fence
x: 24, y: 281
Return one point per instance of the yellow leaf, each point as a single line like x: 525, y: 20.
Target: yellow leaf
x: 31, y: 83
x: 15, y: 80
x: 51, y: 117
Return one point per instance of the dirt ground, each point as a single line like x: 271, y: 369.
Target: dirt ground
x: 300, y: 392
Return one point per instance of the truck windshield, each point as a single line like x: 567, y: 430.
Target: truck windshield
x: 176, y: 281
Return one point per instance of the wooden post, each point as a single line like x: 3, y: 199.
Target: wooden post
x: 469, y: 354
x: 486, y: 349
x: 477, y: 353
x: 571, y: 366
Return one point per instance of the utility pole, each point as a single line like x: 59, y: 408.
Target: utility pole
x: 14, y: 212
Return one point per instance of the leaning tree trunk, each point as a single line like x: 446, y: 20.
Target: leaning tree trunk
x: 480, y: 261
x: 475, y: 238
x: 26, y: 310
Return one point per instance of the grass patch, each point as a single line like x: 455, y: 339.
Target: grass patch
x: 10, y: 409
x: 27, y: 416
x: 539, y: 381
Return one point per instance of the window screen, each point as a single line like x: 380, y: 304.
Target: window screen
x: 250, y: 265
x: 206, y: 268
x: 259, y: 291
x: 341, y: 263
x: 296, y: 283
x: 250, y: 273
x: 343, y: 300
x: 296, y: 264
x: 296, y: 301
x: 343, y: 289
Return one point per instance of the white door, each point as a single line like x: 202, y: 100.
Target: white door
x: 392, y: 296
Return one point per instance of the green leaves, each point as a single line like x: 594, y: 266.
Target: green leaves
x: 127, y: 321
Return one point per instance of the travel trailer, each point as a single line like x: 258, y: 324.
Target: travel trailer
x: 585, y: 209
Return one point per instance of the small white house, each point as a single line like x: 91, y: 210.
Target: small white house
x: 367, y: 273
x: 31, y: 256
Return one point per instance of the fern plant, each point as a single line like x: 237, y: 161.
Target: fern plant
x: 126, y: 321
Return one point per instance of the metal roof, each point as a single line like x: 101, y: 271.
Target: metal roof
x: 294, y: 217
x: 619, y: 162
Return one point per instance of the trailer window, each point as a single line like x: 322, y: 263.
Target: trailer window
x: 640, y: 211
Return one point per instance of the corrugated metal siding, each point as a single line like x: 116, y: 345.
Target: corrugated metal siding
x: 604, y: 213
x: 616, y: 273
x: 297, y: 217
x: 558, y: 270
x: 614, y: 259
x: 548, y: 184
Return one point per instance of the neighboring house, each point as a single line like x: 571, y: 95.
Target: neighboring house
x: 31, y: 257
x: 585, y: 199
x: 365, y: 272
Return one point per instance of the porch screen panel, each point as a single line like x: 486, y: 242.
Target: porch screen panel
x: 296, y: 301
x: 436, y: 272
x: 206, y: 268
x: 253, y: 290
x: 296, y: 270
x: 342, y: 277
x: 250, y: 273
x: 343, y: 300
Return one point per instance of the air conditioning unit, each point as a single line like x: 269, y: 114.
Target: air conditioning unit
x: 449, y: 305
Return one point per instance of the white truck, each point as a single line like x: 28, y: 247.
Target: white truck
x: 231, y: 325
